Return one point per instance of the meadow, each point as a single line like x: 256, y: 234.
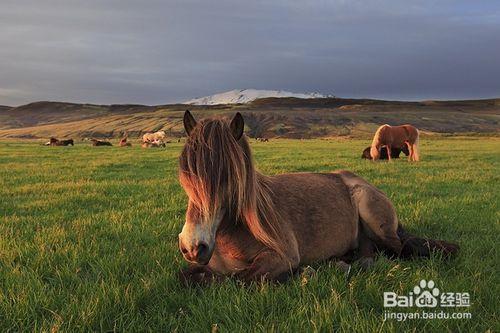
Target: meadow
x: 88, y: 242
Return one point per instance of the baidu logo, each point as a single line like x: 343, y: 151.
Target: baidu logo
x: 426, y: 295
x: 430, y: 302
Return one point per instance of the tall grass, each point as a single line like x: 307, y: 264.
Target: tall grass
x: 88, y: 241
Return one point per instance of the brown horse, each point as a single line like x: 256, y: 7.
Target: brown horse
x: 395, y: 151
x: 55, y: 142
x: 395, y: 136
x: 240, y: 222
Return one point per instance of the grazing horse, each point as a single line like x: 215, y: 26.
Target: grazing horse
x: 395, y: 151
x: 242, y: 223
x: 152, y: 137
x: 97, y: 143
x: 395, y: 136
x: 55, y: 142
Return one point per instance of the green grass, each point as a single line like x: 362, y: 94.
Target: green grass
x: 88, y: 241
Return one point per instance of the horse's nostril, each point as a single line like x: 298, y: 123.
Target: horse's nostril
x: 184, y: 250
x: 202, y: 250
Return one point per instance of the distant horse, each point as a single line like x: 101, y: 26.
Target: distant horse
x: 242, y: 223
x: 55, y: 142
x: 152, y: 137
x: 262, y: 139
x: 395, y: 151
x: 97, y: 143
x: 395, y: 136
x: 124, y: 143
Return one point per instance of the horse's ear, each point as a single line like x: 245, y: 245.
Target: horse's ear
x: 189, y: 122
x: 237, y: 126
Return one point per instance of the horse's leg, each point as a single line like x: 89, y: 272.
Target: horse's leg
x: 416, y: 156
x: 197, y: 274
x: 388, y: 148
x: 378, y: 217
x: 410, y: 149
x: 366, y: 251
x: 268, y: 265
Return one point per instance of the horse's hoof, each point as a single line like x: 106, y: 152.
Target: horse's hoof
x: 343, y: 266
x: 366, y: 263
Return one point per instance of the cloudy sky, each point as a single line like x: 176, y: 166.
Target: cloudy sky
x: 153, y: 52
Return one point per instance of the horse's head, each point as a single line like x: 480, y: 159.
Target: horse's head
x: 366, y: 153
x: 216, y: 171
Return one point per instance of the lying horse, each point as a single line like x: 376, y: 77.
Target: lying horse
x: 97, y: 143
x: 242, y: 223
x: 395, y: 151
x: 55, y: 142
x: 395, y: 136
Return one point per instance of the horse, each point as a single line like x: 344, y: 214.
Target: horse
x: 397, y: 136
x: 55, y: 142
x: 124, y: 143
x: 242, y: 223
x: 395, y: 151
x: 97, y: 143
x: 157, y: 136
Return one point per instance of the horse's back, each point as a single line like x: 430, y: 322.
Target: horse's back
x: 396, y: 135
x: 320, y: 211
x: 412, y: 132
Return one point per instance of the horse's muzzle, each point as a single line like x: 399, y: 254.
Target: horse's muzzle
x: 200, y: 253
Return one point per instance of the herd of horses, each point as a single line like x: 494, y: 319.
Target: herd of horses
x: 388, y: 142
x: 149, y: 140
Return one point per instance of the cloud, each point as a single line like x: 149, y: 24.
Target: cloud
x: 167, y: 51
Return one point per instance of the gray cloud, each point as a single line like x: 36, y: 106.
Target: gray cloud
x: 166, y: 51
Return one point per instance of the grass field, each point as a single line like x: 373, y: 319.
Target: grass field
x: 88, y: 241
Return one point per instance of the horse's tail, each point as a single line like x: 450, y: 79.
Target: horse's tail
x: 416, y: 152
x: 413, y: 246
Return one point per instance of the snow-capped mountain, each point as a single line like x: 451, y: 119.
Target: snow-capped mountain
x: 247, y: 95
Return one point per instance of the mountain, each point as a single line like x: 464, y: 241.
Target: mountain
x: 270, y: 117
x: 248, y: 95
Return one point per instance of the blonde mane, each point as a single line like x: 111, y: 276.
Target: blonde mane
x: 216, y: 170
x: 377, y: 140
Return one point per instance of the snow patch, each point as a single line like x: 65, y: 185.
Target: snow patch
x: 238, y: 96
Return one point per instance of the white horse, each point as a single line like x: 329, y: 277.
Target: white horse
x: 157, y: 137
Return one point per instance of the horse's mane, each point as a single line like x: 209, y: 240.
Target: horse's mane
x: 217, y: 170
x: 377, y: 138
x: 379, y: 135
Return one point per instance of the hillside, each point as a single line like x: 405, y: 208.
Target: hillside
x: 268, y: 117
